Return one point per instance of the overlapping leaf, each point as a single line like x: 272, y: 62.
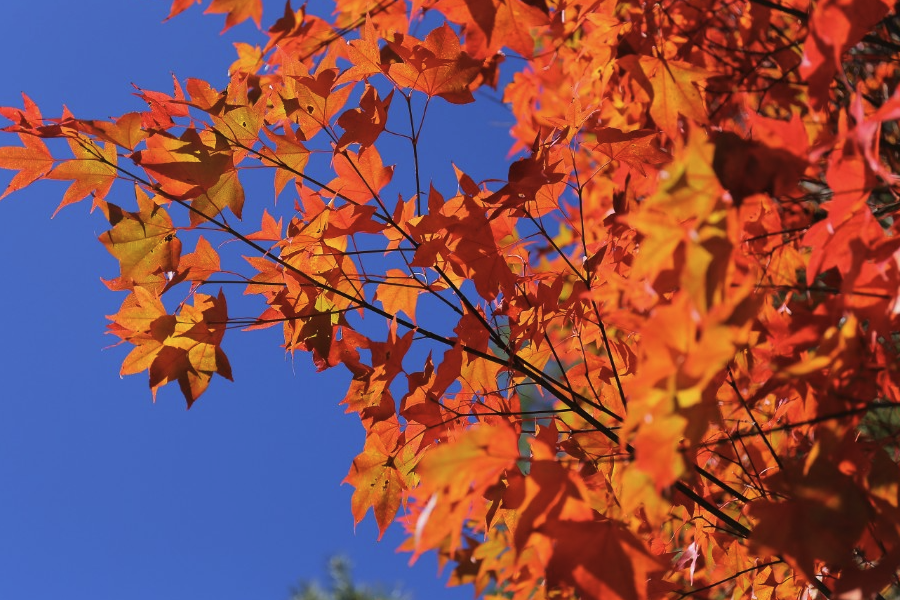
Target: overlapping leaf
x: 436, y: 66
x: 184, y: 347
x: 381, y: 474
x: 145, y: 243
x: 92, y: 171
x: 617, y: 372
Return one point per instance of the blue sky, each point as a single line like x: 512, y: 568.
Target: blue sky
x: 103, y: 494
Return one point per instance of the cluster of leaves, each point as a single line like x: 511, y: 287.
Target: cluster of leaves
x: 660, y: 358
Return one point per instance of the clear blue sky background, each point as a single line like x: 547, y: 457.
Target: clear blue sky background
x: 103, y: 494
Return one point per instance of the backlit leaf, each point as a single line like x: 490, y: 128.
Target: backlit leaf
x: 185, y: 347
x: 92, y: 171
x: 144, y: 243
x: 31, y: 161
x: 675, y: 92
x: 436, y: 66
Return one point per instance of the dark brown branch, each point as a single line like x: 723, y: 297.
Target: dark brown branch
x: 799, y: 14
x: 729, y: 578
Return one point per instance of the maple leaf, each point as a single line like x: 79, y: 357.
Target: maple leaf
x: 635, y: 148
x: 399, y: 293
x: 360, y: 176
x: 28, y: 118
x: 488, y: 26
x: 529, y: 180
x: 236, y: 11
x: 350, y: 219
x: 32, y: 162
x: 200, y: 94
x: 249, y: 59
x: 835, y: 27
x: 370, y: 390
x: 675, y: 92
x: 473, y: 462
x: 600, y: 559
x: 185, y: 347
x: 312, y: 101
x: 437, y: 66
x: 125, y: 131
x: 656, y: 449
x: 290, y: 155
x: 241, y: 122
x: 380, y: 474
x: 477, y: 458
x: 93, y: 170
x: 197, y: 266
x: 163, y: 108
x: 841, y: 240
x: 270, y: 229
x: 364, y: 55
x: 184, y: 166
x: 363, y: 125
x: 227, y: 192
x: 179, y: 6
x: 144, y: 243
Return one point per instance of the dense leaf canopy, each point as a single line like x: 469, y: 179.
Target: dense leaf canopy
x: 659, y: 358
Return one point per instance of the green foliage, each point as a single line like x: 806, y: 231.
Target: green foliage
x: 342, y: 587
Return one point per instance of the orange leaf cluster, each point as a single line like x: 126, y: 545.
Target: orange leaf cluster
x: 656, y: 356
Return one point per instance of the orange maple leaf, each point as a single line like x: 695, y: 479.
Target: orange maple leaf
x: 675, y: 92
x: 492, y: 24
x: 399, y: 293
x: 32, y: 162
x: 197, y: 266
x: 93, y: 170
x: 125, y: 131
x: 600, y: 559
x: 380, y: 474
x: 185, y: 347
x: 360, y: 176
x: 835, y: 26
x: 436, y: 66
x: 184, y: 166
x: 144, y: 243
x: 476, y: 459
x: 289, y: 155
x: 363, y: 125
x: 236, y: 11
x: 636, y: 149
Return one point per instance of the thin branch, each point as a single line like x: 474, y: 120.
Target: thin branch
x: 729, y: 578
x: 762, y: 434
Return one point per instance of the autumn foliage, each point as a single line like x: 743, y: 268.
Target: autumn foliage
x: 658, y: 357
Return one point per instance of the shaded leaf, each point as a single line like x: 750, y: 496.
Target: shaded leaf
x: 185, y: 347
